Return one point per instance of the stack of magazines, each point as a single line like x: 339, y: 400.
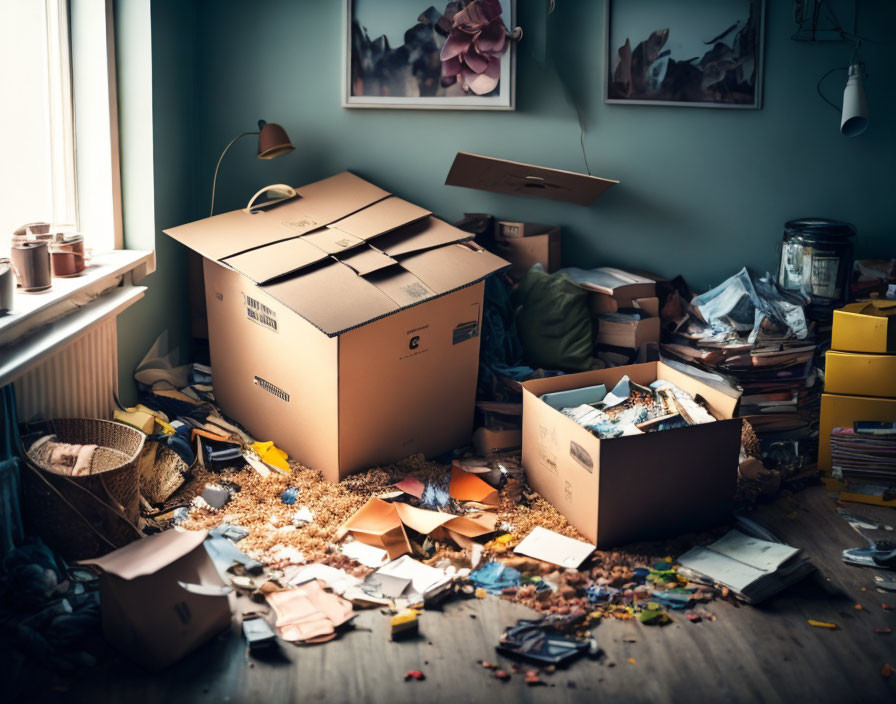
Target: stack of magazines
x: 865, y: 453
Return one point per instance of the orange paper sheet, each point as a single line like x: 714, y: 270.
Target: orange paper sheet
x: 468, y: 487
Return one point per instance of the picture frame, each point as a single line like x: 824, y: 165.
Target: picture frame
x: 648, y: 63
x: 375, y: 45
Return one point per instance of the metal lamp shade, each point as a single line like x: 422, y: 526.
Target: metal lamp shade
x: 854, y: 120
x: 273, y: 141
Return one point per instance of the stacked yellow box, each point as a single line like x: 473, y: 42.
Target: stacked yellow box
x: 860, y: 375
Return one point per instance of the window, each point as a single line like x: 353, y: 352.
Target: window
x: 37, y: 169
x: 58, y: 128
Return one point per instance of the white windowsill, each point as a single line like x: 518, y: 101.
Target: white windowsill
x: 41, y: 323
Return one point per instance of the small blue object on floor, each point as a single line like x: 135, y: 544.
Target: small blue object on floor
x: 290, y: 496
x: 495, y: 577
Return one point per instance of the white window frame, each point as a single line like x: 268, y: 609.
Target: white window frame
x: 95, y: 111
x: 85, y: 162
x: 62, y: 135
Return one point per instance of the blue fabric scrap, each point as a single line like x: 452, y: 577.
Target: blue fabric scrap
x: 495, y: 577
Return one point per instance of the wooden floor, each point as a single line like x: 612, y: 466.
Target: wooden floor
x: 767, y: 654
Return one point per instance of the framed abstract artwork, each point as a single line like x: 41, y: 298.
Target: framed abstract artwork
x: 685, y: 52
x: 431, y: 55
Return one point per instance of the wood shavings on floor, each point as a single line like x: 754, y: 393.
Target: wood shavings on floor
x: 258, y: 508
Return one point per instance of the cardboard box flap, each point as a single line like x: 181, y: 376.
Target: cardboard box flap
x: 450, y: 267
x: 149, y: 555
x: 401, y: 286
x: 421, y: 235
x: 337, y: 197
x: 332, y: 241
x: 222, y: 235
x: 278, y: 259
x: 721, y: 404
x: 332, y: 297
x: 318, y: 205
x: 366, y: 260
x: 379, y: 218
x: 515, y: 178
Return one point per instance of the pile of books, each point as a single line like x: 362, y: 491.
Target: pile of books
x: 625, y: 312
x: 767, y: 347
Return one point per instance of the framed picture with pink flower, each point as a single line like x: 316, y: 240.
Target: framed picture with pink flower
x: 429, y: 54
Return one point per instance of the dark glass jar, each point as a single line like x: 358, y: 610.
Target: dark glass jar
x: 816, y: 260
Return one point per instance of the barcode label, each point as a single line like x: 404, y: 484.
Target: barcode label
x: 271, y: 388
x: 259, y: 313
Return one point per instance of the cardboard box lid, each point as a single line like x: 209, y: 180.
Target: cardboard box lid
x: 316, y: 206
x: 149, y: 555
x: 344, y: 253
x: 275, y: 260
x: 379, y: 218
x: 518, y: 179
x: 425, y: 234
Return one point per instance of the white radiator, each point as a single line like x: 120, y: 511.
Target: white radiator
x: 78, y: 381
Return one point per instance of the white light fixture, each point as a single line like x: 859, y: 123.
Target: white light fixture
x: 854, y: 110
x: 854, y: 116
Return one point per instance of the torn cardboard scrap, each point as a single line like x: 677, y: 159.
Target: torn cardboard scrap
x: 377, y: 523
x: 382, y: 524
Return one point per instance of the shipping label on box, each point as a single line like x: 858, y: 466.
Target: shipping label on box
x: 512, y: 228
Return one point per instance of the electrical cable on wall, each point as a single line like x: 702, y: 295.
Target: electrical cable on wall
x: 570, y: 96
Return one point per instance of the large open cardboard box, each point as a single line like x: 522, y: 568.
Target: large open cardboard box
x: 640, y: 487
x: 344, y: 323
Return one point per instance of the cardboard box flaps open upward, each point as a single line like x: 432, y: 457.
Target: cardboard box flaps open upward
x: 344, y: 324
x: 343, y: 253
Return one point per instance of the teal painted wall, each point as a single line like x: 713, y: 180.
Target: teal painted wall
x: 703, y: 192
x: 156, y: 71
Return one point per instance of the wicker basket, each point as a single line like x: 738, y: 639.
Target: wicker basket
x: 161, y: 473
x: 71, y: 513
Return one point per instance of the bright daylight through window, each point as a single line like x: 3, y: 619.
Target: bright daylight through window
x: 37, y: 169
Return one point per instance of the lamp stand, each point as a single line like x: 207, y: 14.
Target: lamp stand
x: 211, y: 210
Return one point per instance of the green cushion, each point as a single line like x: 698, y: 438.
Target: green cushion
x: 553, y: 321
